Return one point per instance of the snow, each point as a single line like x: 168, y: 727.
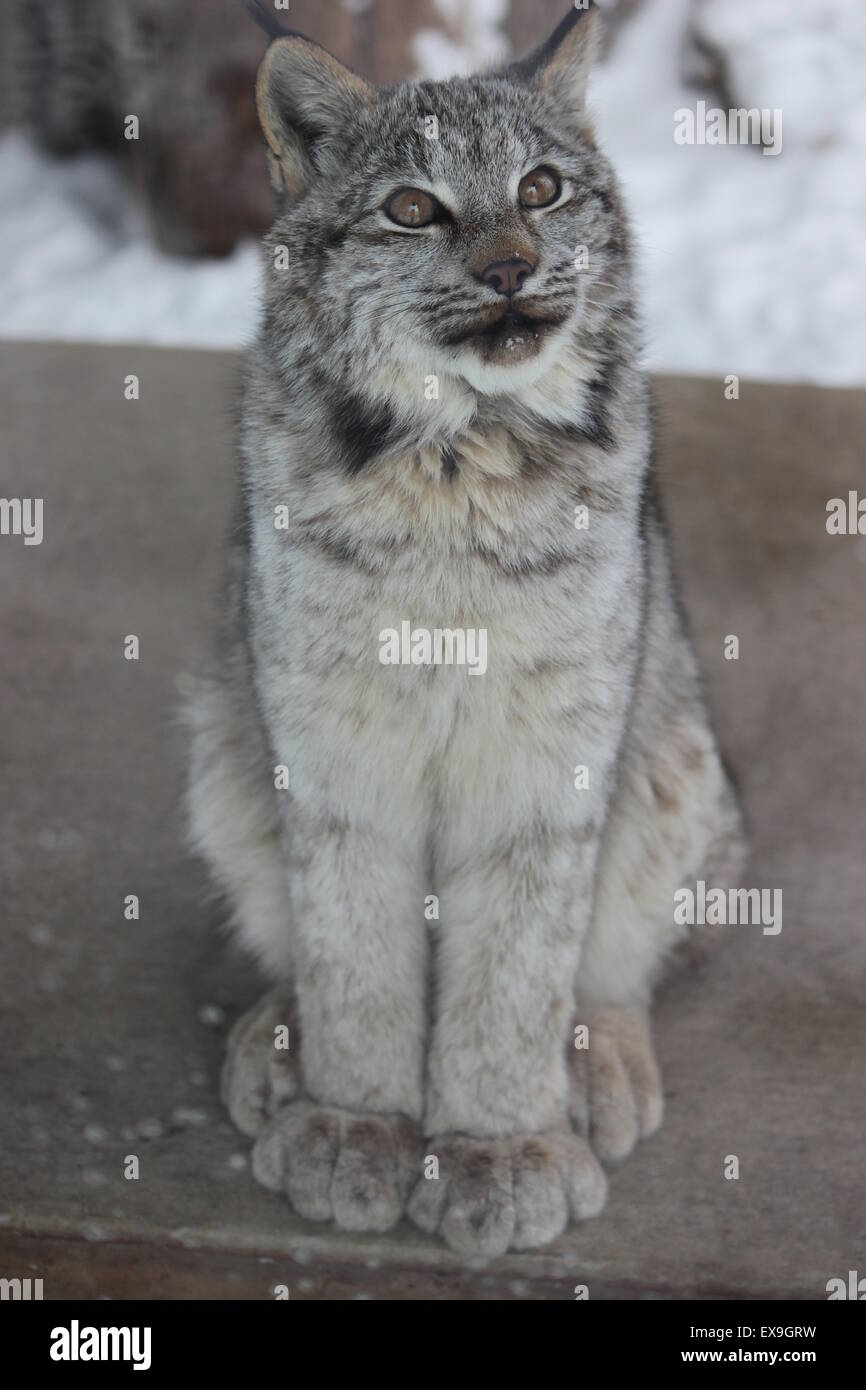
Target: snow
x: 470, y: 37
x: 749, y: 263
x: 77, y: 262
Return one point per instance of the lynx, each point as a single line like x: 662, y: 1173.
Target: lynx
x: 454, y: 1038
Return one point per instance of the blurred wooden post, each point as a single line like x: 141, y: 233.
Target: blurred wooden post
x: 376, y: 39
x: 530, y: 21
x: 331, y: 24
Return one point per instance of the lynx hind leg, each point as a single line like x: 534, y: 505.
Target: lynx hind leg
x: 261, y: 1072
x: 675, y: 818
x: 616, y: 1093
x: 232, y: 814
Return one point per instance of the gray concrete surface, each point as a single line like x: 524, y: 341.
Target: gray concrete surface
x: 111, y: 1030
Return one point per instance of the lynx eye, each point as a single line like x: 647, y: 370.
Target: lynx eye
x: 410, y: 207
x: 538, y: 189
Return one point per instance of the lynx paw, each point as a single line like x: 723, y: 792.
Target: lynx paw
x: 354, y: 1169
x: 493, y: 1195
x: 616, y: 1087
x: 258, y: 1076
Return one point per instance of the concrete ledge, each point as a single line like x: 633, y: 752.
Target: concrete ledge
x: 108, y: 1044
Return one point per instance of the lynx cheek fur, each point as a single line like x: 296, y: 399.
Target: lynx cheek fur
x: 419, y: 249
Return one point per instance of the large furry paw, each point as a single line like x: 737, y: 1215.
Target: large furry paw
x: 616, y: 1087
x: 332, y: 1164
x: 493, y: 1195
x: 259, y: 1076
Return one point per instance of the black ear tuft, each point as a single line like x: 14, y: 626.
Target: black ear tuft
x: 265, y: 17
x: 546, y: 51
x: 560, y: 66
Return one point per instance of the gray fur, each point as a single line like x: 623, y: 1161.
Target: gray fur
x: 556, y: 903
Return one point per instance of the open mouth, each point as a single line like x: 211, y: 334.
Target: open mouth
x: 512, y: 336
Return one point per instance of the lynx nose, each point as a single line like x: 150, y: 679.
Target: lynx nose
x: 506, y: 277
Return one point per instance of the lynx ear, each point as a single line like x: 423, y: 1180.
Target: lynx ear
x: 306, y: 100
x: 560, y: 67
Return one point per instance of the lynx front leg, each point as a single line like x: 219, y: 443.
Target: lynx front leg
x: 510, y: 1170
x: 349, y: 1147
x: 674, y: 819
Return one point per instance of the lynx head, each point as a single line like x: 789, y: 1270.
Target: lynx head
x: 465, y: 228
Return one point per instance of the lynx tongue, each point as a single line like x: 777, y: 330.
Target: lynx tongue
x: 512, y: 338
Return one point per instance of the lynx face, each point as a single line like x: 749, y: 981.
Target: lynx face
x: 456, y: 227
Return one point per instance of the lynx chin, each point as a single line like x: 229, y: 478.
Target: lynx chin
x: 452, y: 257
